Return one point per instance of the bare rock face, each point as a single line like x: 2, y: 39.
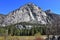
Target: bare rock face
x: 2, y: 18
x: 27, y: 13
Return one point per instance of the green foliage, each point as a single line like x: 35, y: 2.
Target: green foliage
x: 36, y: 28
x: 2, y: 31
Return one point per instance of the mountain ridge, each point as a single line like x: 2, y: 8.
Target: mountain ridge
x: 29, y: 13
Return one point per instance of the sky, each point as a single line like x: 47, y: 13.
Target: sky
x: 7, y: 6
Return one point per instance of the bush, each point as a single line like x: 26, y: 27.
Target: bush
x: 38, y: 38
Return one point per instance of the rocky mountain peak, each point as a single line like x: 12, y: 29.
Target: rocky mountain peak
x: 31, y: 4
x: 28, y: 13
x: 48, y: 11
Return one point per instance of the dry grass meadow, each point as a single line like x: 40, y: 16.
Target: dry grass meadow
x: 22, y: 38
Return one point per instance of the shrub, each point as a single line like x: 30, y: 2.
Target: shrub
x: 38, y: 38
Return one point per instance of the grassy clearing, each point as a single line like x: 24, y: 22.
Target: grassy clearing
x: 2, y: 38
x: 38, y: 35
x: 19, y: 37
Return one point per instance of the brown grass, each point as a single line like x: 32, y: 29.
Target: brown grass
x: 21, y: 38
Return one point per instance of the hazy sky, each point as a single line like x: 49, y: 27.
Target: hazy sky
x: 7, y: 6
